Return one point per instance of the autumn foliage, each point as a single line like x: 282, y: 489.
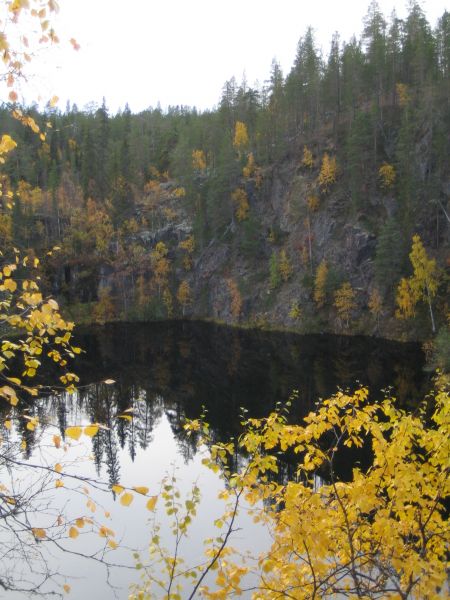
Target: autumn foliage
x: 345, y: 302
x: 320, y: 284
x: 328, y: 172
x: 380, y: 534
x: 241, y: 139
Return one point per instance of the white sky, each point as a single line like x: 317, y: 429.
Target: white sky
x: 182, y: 51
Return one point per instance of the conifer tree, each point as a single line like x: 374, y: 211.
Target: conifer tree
x: 274, y: 271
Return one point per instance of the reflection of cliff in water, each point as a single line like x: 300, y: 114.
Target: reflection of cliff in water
x: 178, y: 368
x: 222, y: 368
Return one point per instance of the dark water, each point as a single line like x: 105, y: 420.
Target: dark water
x: 195, y: 364
x: 167, y: 372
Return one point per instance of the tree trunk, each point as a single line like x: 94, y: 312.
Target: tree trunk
x: 433, y: 326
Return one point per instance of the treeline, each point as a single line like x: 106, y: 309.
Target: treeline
x: 372, y: 119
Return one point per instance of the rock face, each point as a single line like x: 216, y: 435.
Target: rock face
x: 261, y: 271
x: 330, y: 231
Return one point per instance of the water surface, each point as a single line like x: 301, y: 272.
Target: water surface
x: 164, y: 373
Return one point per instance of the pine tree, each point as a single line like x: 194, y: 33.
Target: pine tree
x: 303, y: 84
x: 101, y: 121
x: 332, y: 81
x: 274, y: 271
x: 391, y: 255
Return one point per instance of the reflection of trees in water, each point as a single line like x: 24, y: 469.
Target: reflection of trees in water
x: 101, y: 403
x: 147, y: 414
x: 177, y: 368
x: 347, y: 365
x: 405, y: 384
x: 321, y: 372
x: 235, y: 352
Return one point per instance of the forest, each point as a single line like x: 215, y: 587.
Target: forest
x: 316, y: 202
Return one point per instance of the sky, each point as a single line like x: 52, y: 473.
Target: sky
x: 181, y: 52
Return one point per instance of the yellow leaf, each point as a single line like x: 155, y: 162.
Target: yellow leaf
x: 59, y: 483
x: 7, y: 424
x: 7, y: 144
x: 117, y: 489
x: 112, y: 544
x: 91, y: 430
x: 152, y: 503
x: 54, y: 101
x: 10, y: 285
x: 57, y: 441
x: 80, y: 522
x: 73, y: 532
x: 126, y: 417
x: 141, y: 490
x: 66, y: 588
x: 105, y: 532
x: 126, y: 499
x: 39, y: 533
x: 7, y: 392
x: 73, y: 432
x: 58, y: 468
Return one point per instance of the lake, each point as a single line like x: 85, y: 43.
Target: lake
x: 164, y: 373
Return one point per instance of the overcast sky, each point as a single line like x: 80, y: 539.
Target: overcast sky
x: 182, y: 51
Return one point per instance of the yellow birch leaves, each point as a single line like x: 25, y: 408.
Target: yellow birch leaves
x: 421, y: 286
x: 340, y: 538
x: 241, y: 139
